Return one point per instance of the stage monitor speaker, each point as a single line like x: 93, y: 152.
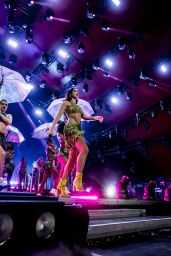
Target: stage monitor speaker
x: 36, y: 224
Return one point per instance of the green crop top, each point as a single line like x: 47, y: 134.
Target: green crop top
x: 72, y: 109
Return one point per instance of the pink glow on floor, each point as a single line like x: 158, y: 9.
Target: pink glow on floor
x: 83, y: 197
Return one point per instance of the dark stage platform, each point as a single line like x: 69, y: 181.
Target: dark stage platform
x: 77, y: 219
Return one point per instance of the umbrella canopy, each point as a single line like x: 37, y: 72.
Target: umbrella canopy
x: 13, y: 87
x: 14, y: 135
x: 40, y: 131
x: 55, y: 105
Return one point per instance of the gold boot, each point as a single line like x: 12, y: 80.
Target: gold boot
x: 62, y: 188
x: 77, y: 183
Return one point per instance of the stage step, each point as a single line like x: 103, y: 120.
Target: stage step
x: 115, y: 213
x: 121, y: 226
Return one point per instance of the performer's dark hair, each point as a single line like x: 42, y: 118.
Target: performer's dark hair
x: 69, y: 94
x: 9, y: 145
x: 3, y: 100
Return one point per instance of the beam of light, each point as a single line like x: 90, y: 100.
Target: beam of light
x: 111, y: 76
x: 120, y: 31
x: 85, y: 197
x: 61, y: 20
x: 26, y: 114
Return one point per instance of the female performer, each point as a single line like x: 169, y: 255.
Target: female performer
x: 74, y: 138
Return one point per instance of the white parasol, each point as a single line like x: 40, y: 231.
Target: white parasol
x: 13, y: 87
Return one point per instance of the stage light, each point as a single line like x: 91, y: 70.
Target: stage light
x: 12, y: 43
x: 63, y: 53
x: 28, y: 76
x: 105, y: 26
x: 152, y: 83
x: 85, y: 87
x: 163, y: 68
x: 6, y: 227
x: 12, y: 59
x: 143, y: 76
x: 114, y: 100
x: 96, y: 65
x: 110, y: 191
x: 119, y: 90
x: 49, y: 15
x: 45, y: 225
x: 116, y: 2
x: 30, y: 86
x: 81, y: 48
x: 74, y: 80
x: 90, y: 12
x: 131, y: 54
x: 121, y: 44
x: 45, y: 59
x: 59, y: 67
x: 42, y: 84
x: 28, y: 34
x: 67, y: 37
x: 108, y: 63
x: 128, y: 96
x: 138, y: 118
x: 38, y: 112
x: 154, y: 114
x: 30, y: 3
x: 106, y: 74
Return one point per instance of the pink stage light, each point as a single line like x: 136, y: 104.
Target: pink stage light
x: 85, y: 197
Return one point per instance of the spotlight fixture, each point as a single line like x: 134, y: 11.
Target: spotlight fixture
x: 138, y: 119
x: 42, y: 84
x: 162, y: 106
x: 120, y: 44
x: 128, y: 96
x: 81, y: 48
x: 12, y: 59
x: 96, y: 65
x: 29, y: 36
x: 11, y: 24
x: 152, y: 83
x: 59, y: 67
x: 143, y: 76
x: 119, y: 89
x: 85, y: 87
x: 49, y: 14
x: 131, y: 54
x: 45, y: 59
x: 90, y: 12
x: 105, y: 26
x: 30, y: 3
x: 106, y: 74
x: 154, y: 114
x: 67, y: 37
x: 28, y: 76
x: 74, y: 80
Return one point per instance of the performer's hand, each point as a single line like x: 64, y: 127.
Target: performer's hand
x: 99, y: 118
